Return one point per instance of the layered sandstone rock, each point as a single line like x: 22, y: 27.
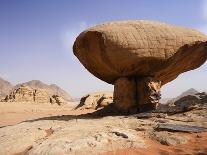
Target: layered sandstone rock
x: 149, y: 54
x: 27, y: 94
x: 52, y: 89
x: 95, y: 100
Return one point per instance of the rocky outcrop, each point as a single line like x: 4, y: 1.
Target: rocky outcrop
x: 5, y: 88
x: 185, y: 103
x: 191, y: 100
x: 55, y: 99
x: 52, y: 89
x: 139, y: 51
x: 95, y: 100
x: 27, y: 94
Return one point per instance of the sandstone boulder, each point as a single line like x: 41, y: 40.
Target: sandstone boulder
x: 95, y: 100
x: 150, y: 54
x: 55, y: 99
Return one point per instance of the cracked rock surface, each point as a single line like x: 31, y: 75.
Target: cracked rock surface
x: 86, y: 133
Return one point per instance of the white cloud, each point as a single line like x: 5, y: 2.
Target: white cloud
x: 70, y: 33
x: 4, y: 76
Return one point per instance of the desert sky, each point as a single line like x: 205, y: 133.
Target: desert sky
x: 36, y: 38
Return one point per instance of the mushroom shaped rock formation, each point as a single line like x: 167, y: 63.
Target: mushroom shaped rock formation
x: 138, y: 57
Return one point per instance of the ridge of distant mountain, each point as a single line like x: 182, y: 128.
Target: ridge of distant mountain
x: 52, y: 89
x: 5, y: 87
x: 190, y: 91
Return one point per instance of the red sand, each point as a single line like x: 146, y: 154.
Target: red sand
x: 197, y: 145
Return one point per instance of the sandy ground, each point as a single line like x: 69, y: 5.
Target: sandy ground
x: 12, y: 114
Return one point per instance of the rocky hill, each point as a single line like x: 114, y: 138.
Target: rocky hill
x: 34, y: 90
x: 5, y: 88
x: 190, y: 91
x: 25, y: 93
x: 52, y: 89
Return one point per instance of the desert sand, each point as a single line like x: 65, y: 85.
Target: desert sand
x: 12, y: 113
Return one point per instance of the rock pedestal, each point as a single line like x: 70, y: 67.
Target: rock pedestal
x: 136, y: 56
x: 125, y: 93
x: 137, y: 94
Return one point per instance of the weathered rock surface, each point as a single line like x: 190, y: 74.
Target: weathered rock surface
x: 148, y: 93
x: 129, y: 48
x: 139, y: 50
x: 95, y: 100
x: 55, y: 99
x: 168, y: 138
x: 182, y: 128
x: 125, y: 93
x: 85, y: 134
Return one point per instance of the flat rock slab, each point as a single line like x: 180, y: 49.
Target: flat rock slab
x: 150, y: 115
x: 181, y: 128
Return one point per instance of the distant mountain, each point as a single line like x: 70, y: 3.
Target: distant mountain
x: 51, y: 89
x: 190, y: 91
x: 5, y: 87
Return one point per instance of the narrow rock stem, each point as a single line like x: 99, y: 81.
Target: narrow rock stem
x: 125, y: 93
x: 136, y: 93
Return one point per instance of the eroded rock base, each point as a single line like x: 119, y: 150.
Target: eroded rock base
x: 136, y: 94
x: 125, y: 94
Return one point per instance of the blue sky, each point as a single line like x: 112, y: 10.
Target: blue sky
x: 36, y: 38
